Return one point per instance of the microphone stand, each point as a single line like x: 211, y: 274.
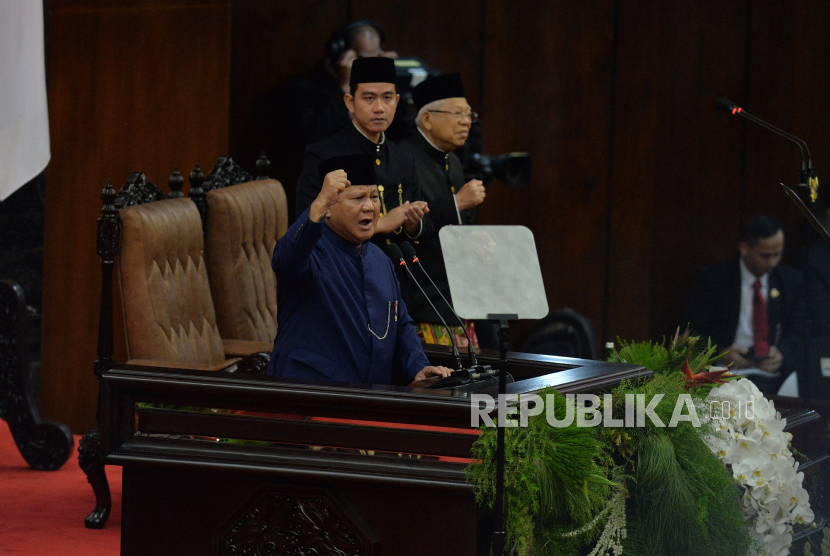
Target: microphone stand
x: 396, y: 253
x: 803, y: 377
x: 499, y: 533
x: 409, y: 251
x: 825, y: 235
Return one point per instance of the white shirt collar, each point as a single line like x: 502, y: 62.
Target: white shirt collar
x: 382, y: 135
x: 430, y: 142
x: 747, y: 278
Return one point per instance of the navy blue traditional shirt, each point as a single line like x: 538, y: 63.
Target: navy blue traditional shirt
x: 339, y: 311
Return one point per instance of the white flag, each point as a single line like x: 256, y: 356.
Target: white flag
x: 24, y: 119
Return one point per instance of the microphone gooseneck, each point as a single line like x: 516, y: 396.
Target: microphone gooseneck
x: 396, y: 254
x: 409, y: 251
x: 808, y: 174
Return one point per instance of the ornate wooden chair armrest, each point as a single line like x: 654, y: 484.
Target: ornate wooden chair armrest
x: 244, y: 348
x: 254, y: 364
x: 173, y: 365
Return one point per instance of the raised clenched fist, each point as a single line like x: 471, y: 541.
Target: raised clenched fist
x: 333, y: 184
x: 471, y: 195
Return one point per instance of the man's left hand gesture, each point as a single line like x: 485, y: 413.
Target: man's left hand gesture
x: 414, y: 213
x: 408, y: 215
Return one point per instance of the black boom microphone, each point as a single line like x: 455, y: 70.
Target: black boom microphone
x: 395, y: 253
x: 808, y: 174
x: 409, y: 251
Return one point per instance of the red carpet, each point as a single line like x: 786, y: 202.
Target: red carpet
x: 42, y: 513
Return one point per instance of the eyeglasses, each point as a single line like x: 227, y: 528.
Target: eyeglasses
x: 459, y: 115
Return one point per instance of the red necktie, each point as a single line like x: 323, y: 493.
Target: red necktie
x: 760, y: 324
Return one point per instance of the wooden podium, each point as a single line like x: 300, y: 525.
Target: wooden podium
x: 314, y: 468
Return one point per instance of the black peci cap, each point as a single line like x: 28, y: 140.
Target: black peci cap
x: 359, y: 168
x: 372, y: 70
x: 438, y: 88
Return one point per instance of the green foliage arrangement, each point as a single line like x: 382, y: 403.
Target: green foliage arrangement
x: 555, y: 482
x: 668, y: 357
x: 561, y: 482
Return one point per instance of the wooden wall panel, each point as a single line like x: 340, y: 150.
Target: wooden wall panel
x: 272, y: 44
x: 547, y: 90
x: 134, y: 86
x: 677, y: 166
x: 273, y: 41
x: 634, y: 172
x: 788, y: 87
x: 445, y: 35
x: 697, y: 186
x: 770, y: 96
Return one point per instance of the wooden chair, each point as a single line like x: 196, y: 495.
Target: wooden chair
x: 169, y: 316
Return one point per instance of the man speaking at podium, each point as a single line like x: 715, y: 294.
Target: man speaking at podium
x: 339, y: 309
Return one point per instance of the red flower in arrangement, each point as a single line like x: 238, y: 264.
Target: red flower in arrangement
x: 710, y: 377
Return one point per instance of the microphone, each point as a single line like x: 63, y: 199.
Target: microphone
x: 409, y: 251
x: 808, y: 174
x: 395, y: 252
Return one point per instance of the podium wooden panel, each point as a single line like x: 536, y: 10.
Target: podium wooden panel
x: 337, y: 468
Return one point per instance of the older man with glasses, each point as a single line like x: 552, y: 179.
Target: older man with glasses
x: 444, y: 120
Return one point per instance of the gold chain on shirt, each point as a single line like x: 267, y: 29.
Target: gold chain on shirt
x: 382, y: 201
x: 383, y: 211
x: 400, y: 204
x: 388, y: 318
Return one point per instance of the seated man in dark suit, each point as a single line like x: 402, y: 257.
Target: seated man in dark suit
x: 751, y: 305
x: 339, y: 309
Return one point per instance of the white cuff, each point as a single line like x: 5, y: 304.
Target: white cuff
x: 457, y: 212
x: 420, y: 229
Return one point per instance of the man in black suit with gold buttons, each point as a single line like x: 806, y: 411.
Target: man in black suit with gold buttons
x: 751, y: 305
x: 372, y: 103
x: 443, y: 125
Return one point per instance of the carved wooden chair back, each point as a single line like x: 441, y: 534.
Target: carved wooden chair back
x: 225, y: 172
x: 243, y: 226
x: 162, y: 277
x: 243, y: 219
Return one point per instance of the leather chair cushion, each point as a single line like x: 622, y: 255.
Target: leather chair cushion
x: 168, y: 307
x: 244, y: 223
